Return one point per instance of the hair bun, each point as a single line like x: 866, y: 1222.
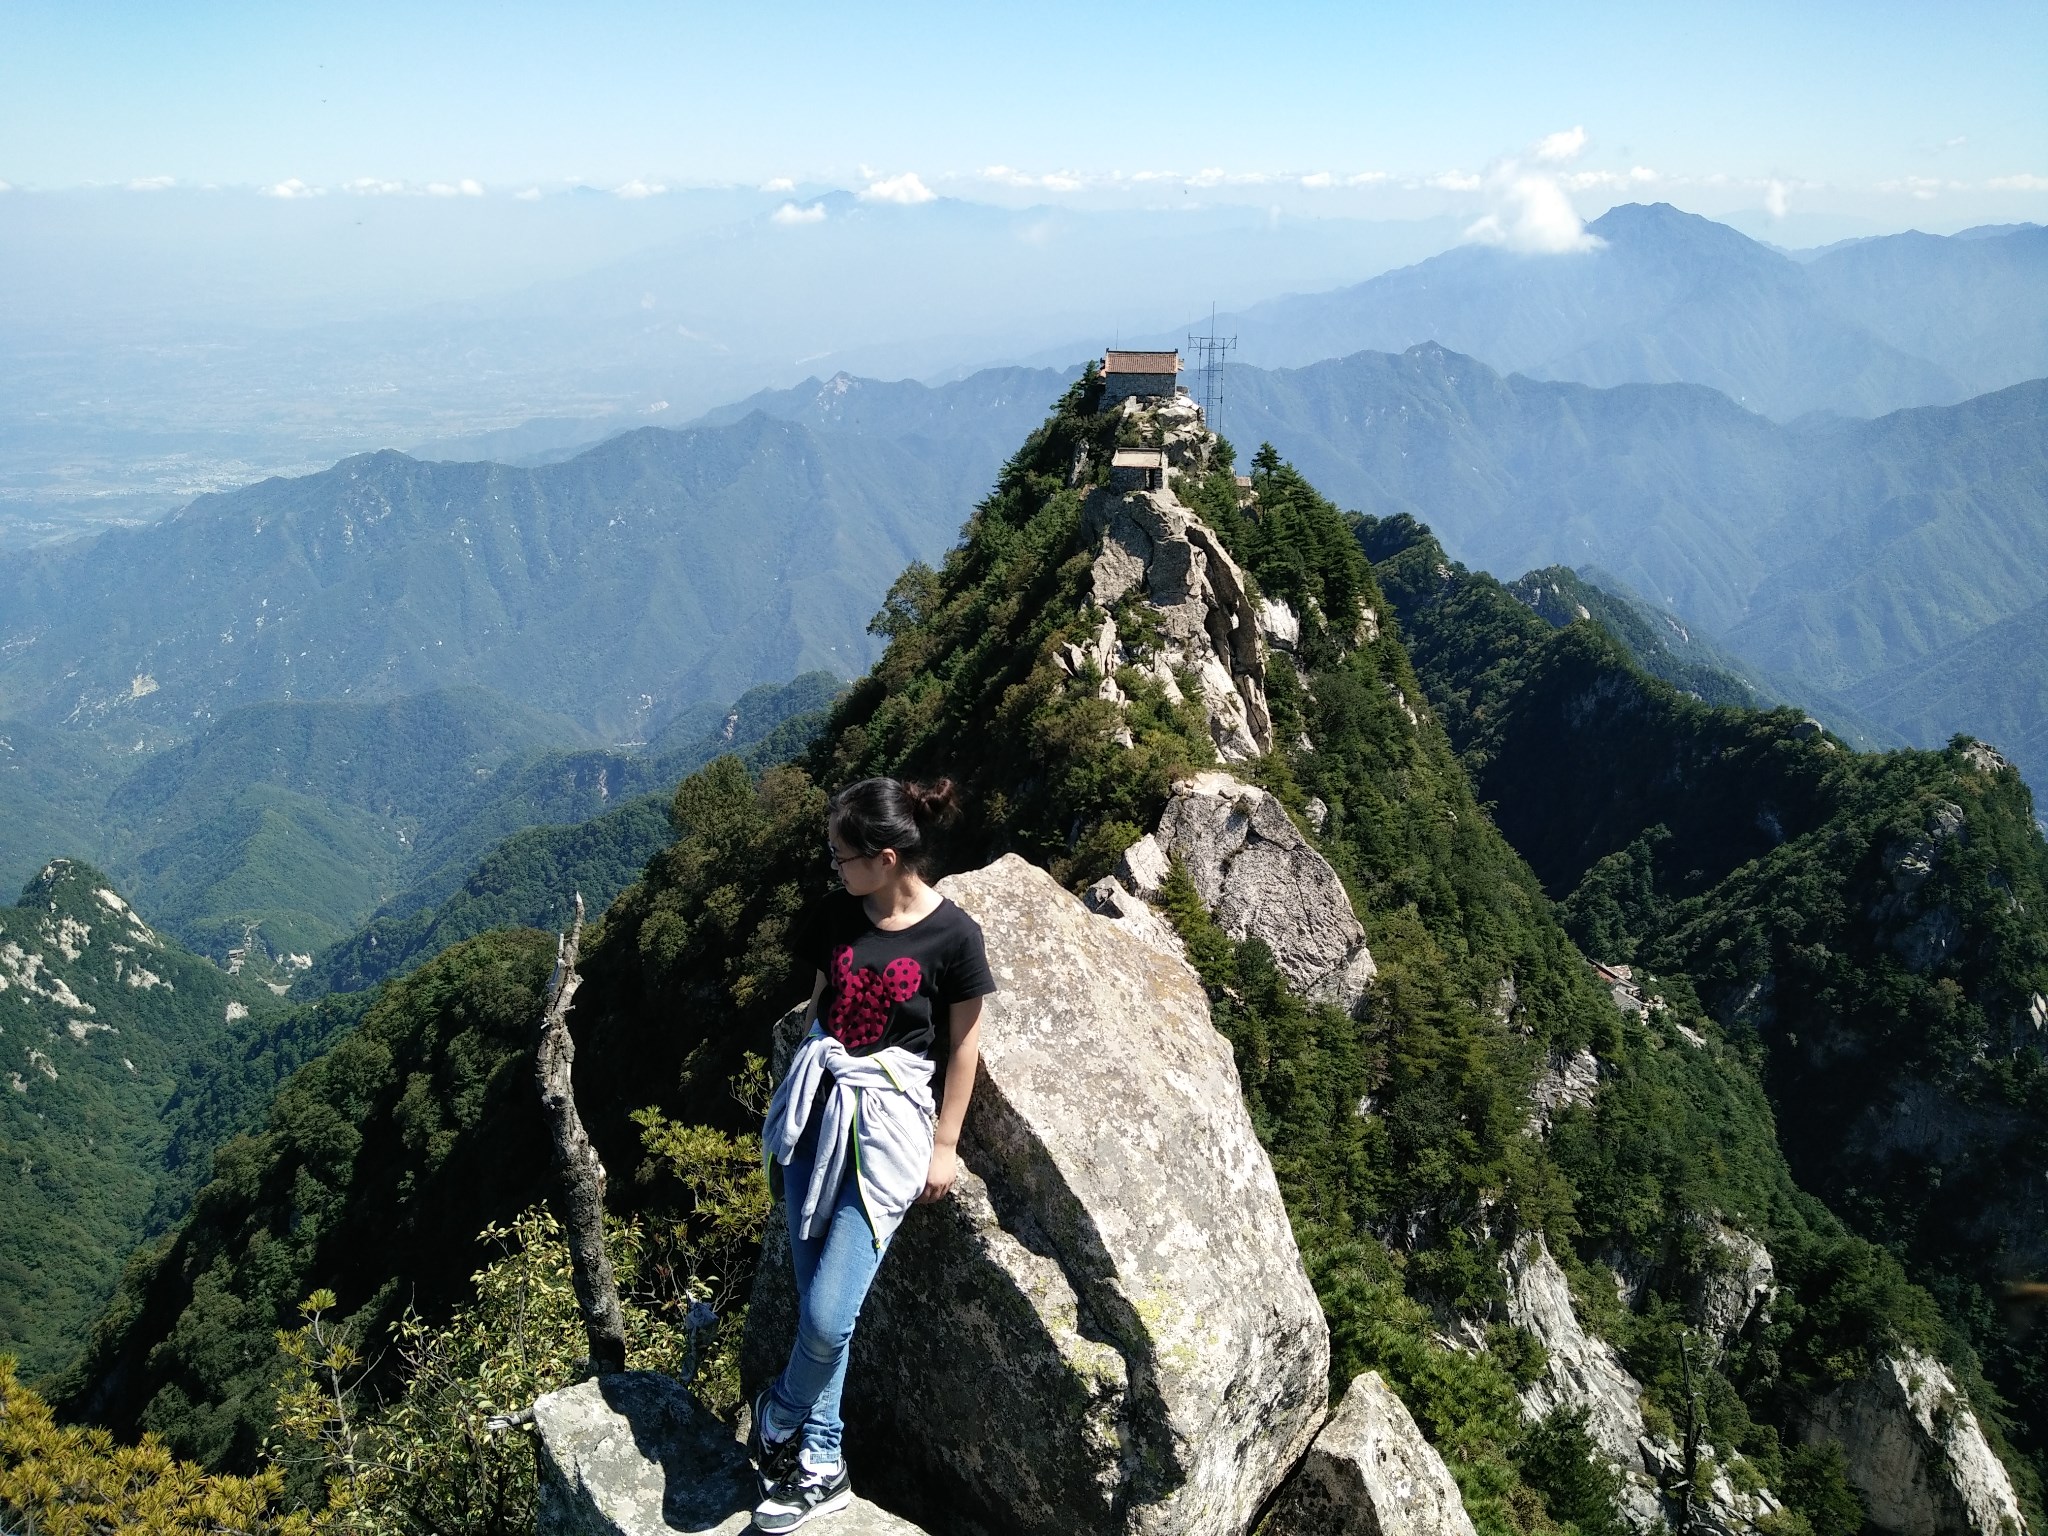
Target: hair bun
x: 933, y: 804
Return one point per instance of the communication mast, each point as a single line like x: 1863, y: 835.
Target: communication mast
x: 1209, y: 353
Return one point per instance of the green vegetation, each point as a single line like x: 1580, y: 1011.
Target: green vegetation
x: 99, y: 1016
x: 123, y: 1099
x: 1860, y: 928
x: 63, y: 1481
x: 1400, y: 1136
x: 560, y: 837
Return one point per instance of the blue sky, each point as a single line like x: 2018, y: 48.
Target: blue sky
x: 1893, y: 113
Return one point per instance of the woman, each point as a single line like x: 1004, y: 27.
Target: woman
x: 853, y: 1130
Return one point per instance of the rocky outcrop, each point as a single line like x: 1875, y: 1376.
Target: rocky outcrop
x: 1582, y: 1374
x: 1916, y: 1452
x: 1736, y: 1284
x: 1106, y: 1327
x: 1566, y: 1082
x: 1370, y: 1473
x: 634, y: 1455
x: 1261, y: 879
x: 1206, y: 622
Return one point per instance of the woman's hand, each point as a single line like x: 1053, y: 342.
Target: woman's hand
x: 938, y: 1179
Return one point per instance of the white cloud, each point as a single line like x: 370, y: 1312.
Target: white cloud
x: 1366, y: 179
x: 1923, y: 189
x: 1453, y: 181
x: 778, y: 184
x: 1558, y: 148
x: 293, y: 187
x: 636, y: 189
x: 906, y: 188
x: 2026, y: 182
x: 1775, y: 195
x: 1318, y: 180
x: 152, y: 183
x: 373, y: 186
x: 6, y: 186
x: 1634, y: 176
x: 463, y: 188
x: 1051, y: 181
x: 530, y: 195
x: 1531, y: 213
x: 789, y: 213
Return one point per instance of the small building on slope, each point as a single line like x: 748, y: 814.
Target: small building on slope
x: 1125, y: 374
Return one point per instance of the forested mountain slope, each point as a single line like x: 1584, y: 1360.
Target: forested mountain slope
x: 1826, y: 554
x: 529, y: 877
x: 658, y: 570
x: 280, y: 828
x: 1403, y: 1138
x: 1664, y: 297
x: 1871, y: 930
x: 99, y: 1018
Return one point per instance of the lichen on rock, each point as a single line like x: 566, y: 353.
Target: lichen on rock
x: 1370, y: 1473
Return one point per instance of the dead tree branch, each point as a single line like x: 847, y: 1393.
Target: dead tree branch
x: 579, y: 1191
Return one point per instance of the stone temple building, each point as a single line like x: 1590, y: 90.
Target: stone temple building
x: 1125, y: 374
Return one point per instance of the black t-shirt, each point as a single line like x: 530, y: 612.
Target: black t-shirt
x: 886, y: 988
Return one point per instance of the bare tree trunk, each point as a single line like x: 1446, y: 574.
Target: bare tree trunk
x: 579, y: 1196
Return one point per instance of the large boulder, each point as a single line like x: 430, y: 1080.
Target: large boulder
x: 634, y: 1455
x: 1106, y: 1327
x: 1262, y: 879
x: 1916, y: 1452
x: 1370, y: 1473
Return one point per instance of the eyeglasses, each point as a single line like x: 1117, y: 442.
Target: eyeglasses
x: 832, y: 857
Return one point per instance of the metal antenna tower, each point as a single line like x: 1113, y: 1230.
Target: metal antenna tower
x: 1209, y: 353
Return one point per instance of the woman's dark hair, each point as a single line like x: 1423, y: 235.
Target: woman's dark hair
x: 887, y: 813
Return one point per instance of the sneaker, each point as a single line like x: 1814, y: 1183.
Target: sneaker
x: 773, y: 1459
x: 803, y: 1494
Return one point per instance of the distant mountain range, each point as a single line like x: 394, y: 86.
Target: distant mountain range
x: 1670, y: 297
x: 659, y: 570
x: 1855, y: 562
x: 1852, y: 564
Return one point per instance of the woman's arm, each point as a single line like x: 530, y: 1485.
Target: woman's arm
x: 965, y: 1021
x: 817, y: 991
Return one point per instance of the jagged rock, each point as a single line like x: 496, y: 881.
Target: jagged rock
x: 1739, y: 1281
x: 1206, y: 620
x: 1108, y: 898
x: 1582, y: 1373
x: 1916, y: 1452
x: 1106, y: 1327
x: 1278, y: 624
x: 1261, y: 879
x: 634, y: 1455
x: 1564, y: 1082
x: 1370, y: 1473
x: 1985, y: 759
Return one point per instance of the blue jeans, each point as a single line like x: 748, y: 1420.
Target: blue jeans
x: 834, y: 1268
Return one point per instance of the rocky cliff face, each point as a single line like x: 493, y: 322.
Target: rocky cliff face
x: 1583, y: 1374
x: 1916, y: 1452
x: 1107, y: 1327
